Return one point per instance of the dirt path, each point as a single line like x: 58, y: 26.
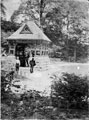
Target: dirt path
x: 41, y: 78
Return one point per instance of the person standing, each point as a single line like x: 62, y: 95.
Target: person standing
x: 17, y: 64
x: 33, y: 53
x: 26, y: 59
x: 32, y: 64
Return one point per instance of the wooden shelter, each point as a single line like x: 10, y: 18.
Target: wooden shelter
x: 28, y: 38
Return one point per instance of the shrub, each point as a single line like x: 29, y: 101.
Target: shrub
x: 5, y: 86
x: 70, y: 92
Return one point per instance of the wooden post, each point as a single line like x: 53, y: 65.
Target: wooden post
x: 40, y: 49
x: 15, y: 49
x: 9, y: 47
x: 35, y: 48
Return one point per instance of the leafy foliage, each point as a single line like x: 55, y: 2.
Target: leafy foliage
x: 70, y: 91
x: 7, y: 26
x: 31, y: 10
x: 3, y: 9
x: 7, y: 75
x: 73, y: 50
x: 26, y: 105
x: 65, y: 25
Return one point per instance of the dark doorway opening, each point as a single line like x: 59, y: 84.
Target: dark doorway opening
x: 20, y: 52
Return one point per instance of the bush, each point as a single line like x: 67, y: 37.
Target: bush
x: 5, y: 86
x: 70, y: 92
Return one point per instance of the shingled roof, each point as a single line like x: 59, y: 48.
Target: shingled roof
x: 33, y: 33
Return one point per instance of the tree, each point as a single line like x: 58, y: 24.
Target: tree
x: 70, y: 91
x: 6, y: 80
x: 65, y: 24
x: 33, y: 9
x: 14, y: 16
x: 3, y: 8
x: 77, y: 24
x: 7, y: 28
x: 28, y: 10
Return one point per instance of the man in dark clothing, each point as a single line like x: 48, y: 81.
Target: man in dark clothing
x: 32, y: 64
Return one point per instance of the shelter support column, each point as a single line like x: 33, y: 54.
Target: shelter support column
x: 40, y: 49
x: 35, y: 52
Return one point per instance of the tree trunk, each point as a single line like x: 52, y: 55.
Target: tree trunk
x: 75, y: 54
x: 42, y: 5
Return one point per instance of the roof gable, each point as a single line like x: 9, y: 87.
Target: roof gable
x: 26, y: 30
x: 29, y: 31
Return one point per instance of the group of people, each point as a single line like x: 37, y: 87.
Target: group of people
x: 28, y: 58
x: 30, y: 62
